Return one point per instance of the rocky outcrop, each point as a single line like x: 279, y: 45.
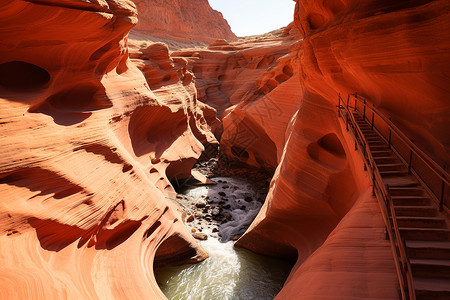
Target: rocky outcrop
x: 252, y: 85
x: 182, y: 20
x: 88, y: 153
x: 391, y: 53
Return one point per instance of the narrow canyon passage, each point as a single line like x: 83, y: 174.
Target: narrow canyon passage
x: 222, y: 213
x: 108, y: 106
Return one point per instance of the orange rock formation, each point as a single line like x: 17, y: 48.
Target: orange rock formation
x: 182, y: 20
x: 393, y: 54
x: 90, y: 142
x: 87, y: 153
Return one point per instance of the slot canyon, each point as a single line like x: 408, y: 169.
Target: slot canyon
x: 116, y: 114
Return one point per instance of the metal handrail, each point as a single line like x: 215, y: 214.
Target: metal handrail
x: 398, y: 247
x: 432, y: 166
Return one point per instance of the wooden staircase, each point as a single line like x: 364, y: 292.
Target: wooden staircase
x: 423, y: 228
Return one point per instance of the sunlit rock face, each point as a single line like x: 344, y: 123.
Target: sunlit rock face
x: 393, y: 54
x: 88, y: 152
x: 182, y: 20
x: 252, y: 85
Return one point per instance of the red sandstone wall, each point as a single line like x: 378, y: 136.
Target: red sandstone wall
x: 391, y: 52
x: 182, y: 20
x: 88, y: 147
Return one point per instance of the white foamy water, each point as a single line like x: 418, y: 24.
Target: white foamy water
x: 242, y: 202
x: 229, y: 272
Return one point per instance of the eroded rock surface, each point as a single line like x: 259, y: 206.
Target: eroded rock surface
x: 88, y: 152
x: 182, y: 20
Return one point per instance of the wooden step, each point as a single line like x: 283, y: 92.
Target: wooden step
x: 436, y: 268
x: 432, y: 288
x: 415, y: 211
x: 391, y: 167
x: 381, y: 153
x: 396, y: 173
x: 410, y: 200
x: 406, y: 191
x: 428, y: 249
x: 379, y: 147
x: 425, y: 234
x: 385, y: 159
x: 420, y: 222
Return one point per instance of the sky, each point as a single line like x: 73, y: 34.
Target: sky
x: 251, y: 17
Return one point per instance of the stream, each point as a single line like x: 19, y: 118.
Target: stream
x: 222, y: 213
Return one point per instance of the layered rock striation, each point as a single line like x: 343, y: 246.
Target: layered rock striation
x: 89, y: 152
x: 393, y: 54
x: 182, y: 20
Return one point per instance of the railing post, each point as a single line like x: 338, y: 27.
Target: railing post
x: 390, y: 134
x: 410, y: 161
x: 441, y: 204
x: 373, y: 118
x: 364, y: 110
x: 339, y: 105
x: 373, y: 180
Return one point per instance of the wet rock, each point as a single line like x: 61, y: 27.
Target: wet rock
x: 190, y: 219
x: 215, y: 230
x: 222, y: 194
x: 200, y: 236
x: 200, y: 204
x: 215, y: 211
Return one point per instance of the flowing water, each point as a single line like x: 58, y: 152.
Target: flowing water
x: 230, y: 272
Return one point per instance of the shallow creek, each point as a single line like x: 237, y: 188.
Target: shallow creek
x: 223, y: 212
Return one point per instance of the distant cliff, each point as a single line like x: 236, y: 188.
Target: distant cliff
x: 182, y: 20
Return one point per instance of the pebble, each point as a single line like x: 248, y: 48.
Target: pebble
x: 248, y: 199
x: 200, y: 236
x: 200, y: 204
x: 215, y: 230
x: 190, y: 218
x: 222, y: 194
x: 215, y: 211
